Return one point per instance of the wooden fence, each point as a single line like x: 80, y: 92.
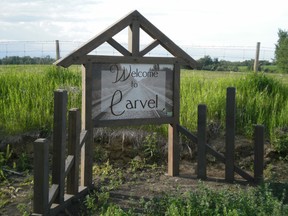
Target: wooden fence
x: 228, y: 159
x: 53, y: 198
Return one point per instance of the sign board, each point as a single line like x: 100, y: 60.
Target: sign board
x: 133, y: 88
x: 132, y: 91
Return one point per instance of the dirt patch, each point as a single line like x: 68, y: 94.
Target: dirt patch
x: 124, y: 149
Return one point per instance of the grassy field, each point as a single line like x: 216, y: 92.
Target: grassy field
x: 26, y: 96
x: 26, y: 104
x: 26, y: 99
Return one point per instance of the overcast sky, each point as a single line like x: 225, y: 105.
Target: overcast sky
x: 186, y: 22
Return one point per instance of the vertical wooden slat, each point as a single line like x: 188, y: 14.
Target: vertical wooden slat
x: 230, y: 133
x: 134, y: 38
x: 201, y: 144
x: 73, y: 149
x: 41, y: 177
x: 86, y: 151
x: 59, y: 142
x: 259, y: 140
x: 173, y: 134
x: 176, y: 93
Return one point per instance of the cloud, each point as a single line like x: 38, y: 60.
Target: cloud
x: 185, y: 22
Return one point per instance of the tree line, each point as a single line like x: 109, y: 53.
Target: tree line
x: 207, y: 63
x: 17, y: 60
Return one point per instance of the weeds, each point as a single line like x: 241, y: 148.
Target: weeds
x: 151, y: 148
x: 206, y: 201
x: 210, y: 202
x: 4, y: 159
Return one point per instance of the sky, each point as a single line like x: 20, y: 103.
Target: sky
x: 186, y: 22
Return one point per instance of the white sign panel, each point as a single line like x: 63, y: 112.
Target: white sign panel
x: 132, y: 91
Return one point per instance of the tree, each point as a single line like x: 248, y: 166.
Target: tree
x: 281, y: 51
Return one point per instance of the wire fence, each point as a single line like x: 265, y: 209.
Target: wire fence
x: 42, y: 49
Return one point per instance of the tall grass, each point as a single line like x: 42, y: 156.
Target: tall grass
x: 26, y: 98
x: 260, y: 99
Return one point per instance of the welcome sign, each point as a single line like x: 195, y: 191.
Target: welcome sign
x: 132, y: 91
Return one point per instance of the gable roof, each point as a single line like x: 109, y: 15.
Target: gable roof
x: 135, y: 21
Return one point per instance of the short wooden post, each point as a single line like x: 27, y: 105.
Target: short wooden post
x: 57, y: 50
x: 230, y: 133
x: 74, y: 127
x: 173, y: 151
x: 59, y: 142
x: 259, y: 140
x: 41, y: 177
x: 201, y: 145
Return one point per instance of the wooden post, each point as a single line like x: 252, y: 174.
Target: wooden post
x: 73, y: 149
x: 86, y: 151
x: 57, y: 50
x: 59, y: 142
x: 201, y: 144
x: 259, y: 139
x: 134, y: 37
x: 256, y: 61
x: 230, y: 133
x: 41, y: 177
x: 173, y: 150
x: 173, y: 134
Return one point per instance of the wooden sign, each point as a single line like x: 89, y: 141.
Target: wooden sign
x: 133, y: 88
x: 132, y: 91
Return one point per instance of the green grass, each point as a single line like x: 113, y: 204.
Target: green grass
x: 26, y: 99
x: 205, y: 201
x: 26, y: 96
x: 260, y: 99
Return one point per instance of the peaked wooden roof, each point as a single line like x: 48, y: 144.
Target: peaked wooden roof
x: 135, y: 21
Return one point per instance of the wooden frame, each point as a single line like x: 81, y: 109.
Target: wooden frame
x: 54, y: 199
x: 134, y: 21
x: 167, y: 85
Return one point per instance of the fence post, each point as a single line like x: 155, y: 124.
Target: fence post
x: 230, y: 133
x: 256, y: 61
x: 259, y: 139
x: 74, y: 127
x: 201, y: 144
x: 59, y: 141
x: 57, y: 50
x: 41, y: 177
